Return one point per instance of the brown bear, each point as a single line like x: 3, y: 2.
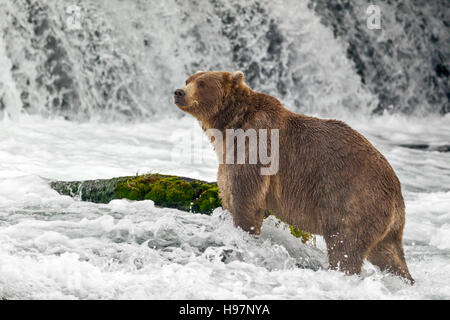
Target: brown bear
x: 330, y: 180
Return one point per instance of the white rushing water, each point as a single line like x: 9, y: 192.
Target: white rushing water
x: 115, y: 76
x: 53, y: 246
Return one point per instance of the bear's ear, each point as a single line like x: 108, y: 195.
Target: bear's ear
x: 238, y: 77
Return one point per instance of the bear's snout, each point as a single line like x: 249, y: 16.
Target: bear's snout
x: 179, y: 95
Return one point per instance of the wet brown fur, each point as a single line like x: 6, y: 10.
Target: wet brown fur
x: 331, y: 180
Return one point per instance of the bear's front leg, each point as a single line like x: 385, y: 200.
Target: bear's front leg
x: 248, y: 190
x: 248, y: 218
x: 223, y: 182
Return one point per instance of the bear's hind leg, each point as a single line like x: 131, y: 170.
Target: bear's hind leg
x: 388, y: 255
x: 348, y: 240
x: 345, y: 252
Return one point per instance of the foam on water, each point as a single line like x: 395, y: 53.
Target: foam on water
x: 53, y: 246
x: 123, y: 64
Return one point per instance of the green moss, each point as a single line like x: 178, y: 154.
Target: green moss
x: 296, y: 232
x: 157, y: 193
x: 208, y: 200
x: 171, y: 191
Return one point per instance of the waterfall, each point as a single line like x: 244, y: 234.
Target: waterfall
x: 406, y: 62
x: 10, y: 102
x: 124, y: 58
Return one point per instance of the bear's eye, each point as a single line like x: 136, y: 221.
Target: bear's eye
x: 201, y: 84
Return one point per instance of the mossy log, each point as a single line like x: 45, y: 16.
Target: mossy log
x: 182, y: 193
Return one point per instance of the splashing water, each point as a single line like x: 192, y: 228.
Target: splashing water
x: 53, y: 246
x: 125, y: 59
x: 117, y: 73
x: 10, y: 102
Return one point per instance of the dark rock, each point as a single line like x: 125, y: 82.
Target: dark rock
x: 418, y: 55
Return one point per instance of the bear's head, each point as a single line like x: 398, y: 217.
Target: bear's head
x: 211, y: 94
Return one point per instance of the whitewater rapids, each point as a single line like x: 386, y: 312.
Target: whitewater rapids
x: 113, y: 78
x: 56, y: 247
